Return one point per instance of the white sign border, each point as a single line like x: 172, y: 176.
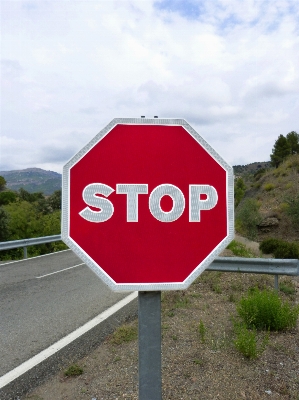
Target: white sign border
x: 90, y: 262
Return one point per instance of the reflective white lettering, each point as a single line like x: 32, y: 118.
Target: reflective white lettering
x: 132, y: 192
x: 196, y: 204
x: 201, y: 197
x: 178, y: 203
x: 105, y: 206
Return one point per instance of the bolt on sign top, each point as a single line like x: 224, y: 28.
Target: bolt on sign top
x: 147, y: 204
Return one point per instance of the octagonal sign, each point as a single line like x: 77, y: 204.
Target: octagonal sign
x: 147, y: 204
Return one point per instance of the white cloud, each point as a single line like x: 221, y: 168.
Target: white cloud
x: 228, y: 67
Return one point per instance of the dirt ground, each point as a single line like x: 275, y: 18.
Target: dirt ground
x: 199, y: 359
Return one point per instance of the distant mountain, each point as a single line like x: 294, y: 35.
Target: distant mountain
x: 251, y: 168
x: 40, y: 180
x: 33, y: 180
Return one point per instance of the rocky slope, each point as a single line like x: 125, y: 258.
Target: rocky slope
x: 273, y: 189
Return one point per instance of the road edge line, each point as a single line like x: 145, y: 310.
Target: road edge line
x: 13, y: 375
x: 32, y: 258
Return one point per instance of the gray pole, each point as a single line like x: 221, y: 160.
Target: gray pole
x: 149, y: 327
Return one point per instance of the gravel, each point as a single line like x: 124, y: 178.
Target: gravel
x: 194, y: 366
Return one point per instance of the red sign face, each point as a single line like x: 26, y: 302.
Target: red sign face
x: 147, y: 205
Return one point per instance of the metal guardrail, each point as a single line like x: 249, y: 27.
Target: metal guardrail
x: 14, y: 244
x: 269, y: 266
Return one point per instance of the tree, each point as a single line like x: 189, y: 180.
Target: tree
x: 55, y: 200
x: 293, y: 142
x: 4, y: 222
x: 30, y: 197
x: 280, y: 151
x: 2, y: 183
x: 23, y: 220
x: 248, y: 217
x: 7, y: 197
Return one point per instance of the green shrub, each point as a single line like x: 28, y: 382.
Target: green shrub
x: 239, y: 191
x: 73, y: 370
x: 269, y: 186
x: 279, y: 248
x: 287, y: 250
x: 248, y: 217
x: 267, y: 246
x: 247, y: 342
x: 125, y: 333
x: 293, y: 210
x: 265, y: 310
x: 259, y: 173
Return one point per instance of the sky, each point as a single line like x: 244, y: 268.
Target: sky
x: 228, y: 67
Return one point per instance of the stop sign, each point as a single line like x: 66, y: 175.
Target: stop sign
x: 147, y: 204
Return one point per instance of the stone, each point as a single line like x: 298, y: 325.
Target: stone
x: 268, y: 222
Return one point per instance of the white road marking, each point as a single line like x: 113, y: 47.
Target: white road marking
x: 43, y: 355
x: 61, y: 270
x: 32, y: 258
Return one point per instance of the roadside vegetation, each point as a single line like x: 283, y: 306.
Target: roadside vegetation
x: 224, y: 328
x: 268, y: 208
x: 26, y: 215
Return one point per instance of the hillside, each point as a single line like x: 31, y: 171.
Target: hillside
x: 33, y: 180
x: 240, y: 170
x: 273, y: 189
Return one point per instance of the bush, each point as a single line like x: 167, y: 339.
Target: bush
x: 248, y: 217
x: 247, y: 342
x: 279, y: 248
x: 269, y: 186
x: 265, y: 310
x: 239, y: 191
x: 73, y: 370
x: 268, y: 246
x: 293, y: 210
x: 259, y: 173
x: 125, y: 333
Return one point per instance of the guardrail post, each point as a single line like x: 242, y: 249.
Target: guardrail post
x: 276, y: 282
x: 25, y: 251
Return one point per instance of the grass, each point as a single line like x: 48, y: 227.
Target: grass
x: 202, y: 331
x: 213, y: 279
x: 73, y: 370
x: 232, y: 298
x: 175, y: 299
x: 125, y: 333
x: 198, y: 362
x: 287, y: 287
x: 240, y: 249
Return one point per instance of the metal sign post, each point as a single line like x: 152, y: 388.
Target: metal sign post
x: 149, y: 336
x: 151, y: 193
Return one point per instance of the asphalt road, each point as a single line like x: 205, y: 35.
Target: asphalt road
x: 43, y: 299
